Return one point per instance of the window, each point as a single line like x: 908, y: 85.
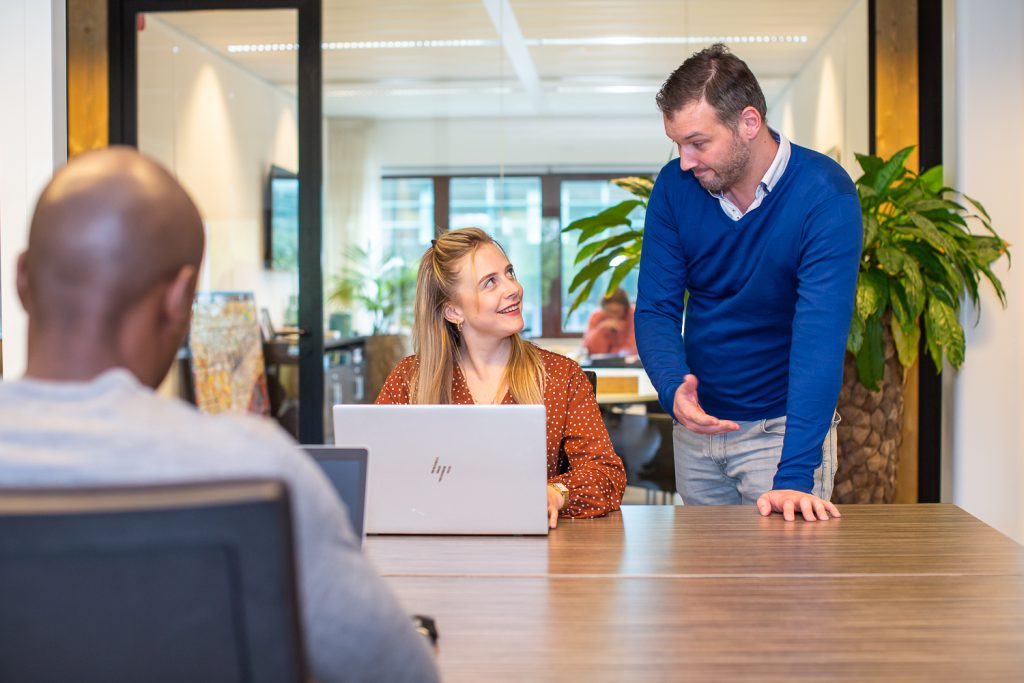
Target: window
x: 525, y: 214
x: 509, y: 210
x: 407, y: 218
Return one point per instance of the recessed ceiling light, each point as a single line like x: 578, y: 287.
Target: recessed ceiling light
x: 532, y: 42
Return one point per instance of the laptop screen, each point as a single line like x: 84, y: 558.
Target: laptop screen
x: 346, y: 469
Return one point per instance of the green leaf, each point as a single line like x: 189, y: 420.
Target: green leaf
x: 941, y: 292
x: 900, y: 305
x: 930, y: 233
x: 620, y: 273
x: 856, y: 338
x: 913, y: 286
x: 892, y: 170
x: 871, y: 357
x: 609, y: 218
x: 932, y: 179
x: 987, y: 248
x: 926, y: 205
x: 890, y: 259
x: 581, y: 297
x: 996, y: 284
x: 872, y: 293
x: 639, y: 186
x: 870, y: 229
x: 906, y: 341
x: 596, y: 247
x: 869, y: 162
x: 979, y: 207
x: 944, y: 333
x: 591, y: 271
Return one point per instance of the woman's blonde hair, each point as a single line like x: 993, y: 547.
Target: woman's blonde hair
x: 436, y: 341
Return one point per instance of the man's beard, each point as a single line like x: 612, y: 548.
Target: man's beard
x: 731, y: 171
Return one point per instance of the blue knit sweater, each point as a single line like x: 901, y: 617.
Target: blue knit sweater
x: 771, y: 297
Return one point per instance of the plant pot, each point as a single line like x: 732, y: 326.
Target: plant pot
x: 870, y: 433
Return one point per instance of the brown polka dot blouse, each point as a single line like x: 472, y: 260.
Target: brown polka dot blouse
x: 580, y: 454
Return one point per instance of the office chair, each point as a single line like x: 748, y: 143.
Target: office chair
x: 161, y: 583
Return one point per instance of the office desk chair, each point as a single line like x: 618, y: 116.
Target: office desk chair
x: 160, y: 583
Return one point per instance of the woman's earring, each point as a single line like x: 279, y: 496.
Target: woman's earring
x: 459, y: 327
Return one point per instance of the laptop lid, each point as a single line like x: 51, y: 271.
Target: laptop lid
x: 450, y: 469
x: 346, y: 469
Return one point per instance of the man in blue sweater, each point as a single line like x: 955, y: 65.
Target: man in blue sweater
x: 764, y: 237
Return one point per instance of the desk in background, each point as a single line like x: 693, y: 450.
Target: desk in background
x: 640, y: 430
x: 923, y: 592
x: 354, y: 371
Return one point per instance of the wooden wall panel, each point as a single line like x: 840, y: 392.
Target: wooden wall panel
x: 87, y: 75
x: 896, y: 126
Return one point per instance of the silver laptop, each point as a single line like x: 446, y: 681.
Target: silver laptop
x: 450, y: 469
x: 346, y: 470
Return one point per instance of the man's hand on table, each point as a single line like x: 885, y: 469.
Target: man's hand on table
x: 689, y: 413
x: 788, y: 502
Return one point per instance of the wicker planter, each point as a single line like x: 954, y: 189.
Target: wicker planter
x: 870, y: 433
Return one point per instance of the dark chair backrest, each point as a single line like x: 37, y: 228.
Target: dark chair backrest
x: 188, y: 582
x: 592, y: 376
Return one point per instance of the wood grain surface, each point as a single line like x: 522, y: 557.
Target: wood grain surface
x: 668, y: 541
x: 891, y: 628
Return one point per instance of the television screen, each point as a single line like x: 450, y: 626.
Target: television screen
x: 281, y: 249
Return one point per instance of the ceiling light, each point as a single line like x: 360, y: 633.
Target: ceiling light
x: 663, y: 40
x: 615, y: 41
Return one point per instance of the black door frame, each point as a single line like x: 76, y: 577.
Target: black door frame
x: 124, y: 130
x: 930, y: 152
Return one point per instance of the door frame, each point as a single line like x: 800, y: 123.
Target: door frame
x: 123, y: 101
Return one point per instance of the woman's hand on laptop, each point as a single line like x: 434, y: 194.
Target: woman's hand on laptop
x: 556, y: 501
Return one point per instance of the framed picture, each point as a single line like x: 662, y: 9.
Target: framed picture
x: 228, y: 372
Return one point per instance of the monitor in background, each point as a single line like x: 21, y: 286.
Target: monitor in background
x: 346, y: 469
x: 281, y: 220
x: 450, y: 469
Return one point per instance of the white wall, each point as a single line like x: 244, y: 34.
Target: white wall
x: 486, y: 145
x: 33, y: 141
x: 988, y: 429
x: 826, y: 106
x: 219, y: 128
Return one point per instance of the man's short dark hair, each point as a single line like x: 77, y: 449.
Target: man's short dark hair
x: 718, y: 77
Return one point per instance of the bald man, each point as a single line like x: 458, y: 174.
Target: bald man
x: 108, y: 281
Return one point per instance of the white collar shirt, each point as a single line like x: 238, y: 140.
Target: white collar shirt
x: 767, y: 184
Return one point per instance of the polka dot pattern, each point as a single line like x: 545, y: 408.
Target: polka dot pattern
x: 580, y: 454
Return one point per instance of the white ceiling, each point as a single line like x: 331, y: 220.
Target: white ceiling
x: 515, y: 77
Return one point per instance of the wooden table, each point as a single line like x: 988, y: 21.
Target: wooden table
x: 917, y: 592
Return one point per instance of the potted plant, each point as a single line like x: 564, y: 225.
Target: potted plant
x: 386, y: 292
x: 919, y: 260
x: 603, y: 244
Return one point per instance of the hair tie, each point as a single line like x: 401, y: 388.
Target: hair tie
x: 433, y: 243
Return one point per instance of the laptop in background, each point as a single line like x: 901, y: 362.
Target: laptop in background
x: 450, y: 469
x: 346, y: 469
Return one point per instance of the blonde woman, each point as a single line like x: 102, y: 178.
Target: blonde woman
x: 467, y: 320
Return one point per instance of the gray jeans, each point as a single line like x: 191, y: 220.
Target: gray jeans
x: 737, y: 467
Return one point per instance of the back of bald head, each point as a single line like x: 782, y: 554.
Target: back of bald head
x: 110, y: 227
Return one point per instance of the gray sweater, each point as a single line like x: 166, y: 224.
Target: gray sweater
x: 112, y: 430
